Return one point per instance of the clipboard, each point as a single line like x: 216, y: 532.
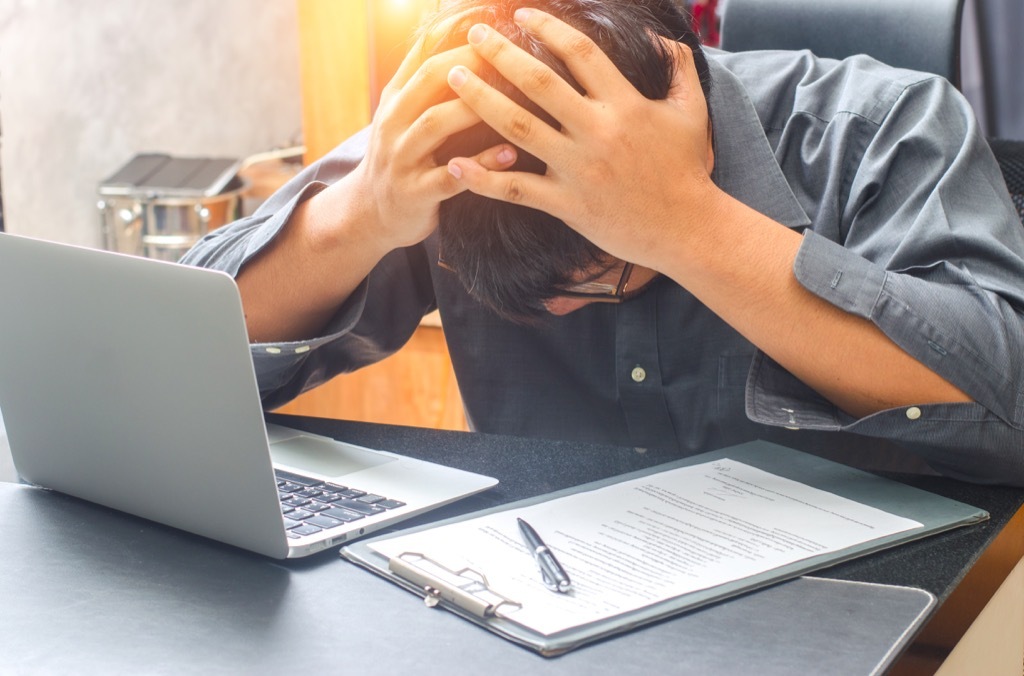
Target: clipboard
x: 468, y: 593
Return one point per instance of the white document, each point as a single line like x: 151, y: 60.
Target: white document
x: 632, y: 544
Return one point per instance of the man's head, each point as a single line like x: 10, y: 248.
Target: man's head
x: 512, y: 258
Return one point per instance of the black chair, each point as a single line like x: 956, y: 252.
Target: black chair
x: 917, y: 34
x: 1010, y: 155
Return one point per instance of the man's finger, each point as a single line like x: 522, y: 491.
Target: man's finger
x: 497, y: 158
x: 424, y: 47
x: 433, y: 127
x: 537, y: 81
x: 588, y: 64
x: 515, y: 187
x: 509, y: 119
x: 685, y: 80
x: 428, y: 86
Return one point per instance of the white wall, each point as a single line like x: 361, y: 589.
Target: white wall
x: 86, y: 84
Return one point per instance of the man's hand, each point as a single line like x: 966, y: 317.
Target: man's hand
x: 391, y: 200
x: 398, y: 183
x: 622, y: 170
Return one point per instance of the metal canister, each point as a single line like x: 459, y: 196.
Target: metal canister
x: 158, y: 206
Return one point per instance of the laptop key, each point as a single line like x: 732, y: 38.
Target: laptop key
x: 390, y: 504
x: 345, y: 515
x: 323, y: 521
x: 305, y: 529
x: 360, y: 507
x: 291, y: 523
x: 370, y: 498
x: 297, y: 478
x: 351, y: 493
x: 295, y: 501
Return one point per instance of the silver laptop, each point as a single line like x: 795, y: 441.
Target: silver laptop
x: 129, y: 382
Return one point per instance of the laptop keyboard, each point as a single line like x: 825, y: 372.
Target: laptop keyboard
x: 310, y: 505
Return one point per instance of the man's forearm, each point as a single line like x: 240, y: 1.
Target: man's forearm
x: 740, y: 264
x: 297, y: 282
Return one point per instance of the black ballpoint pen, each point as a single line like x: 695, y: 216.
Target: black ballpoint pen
x: 552, y: 574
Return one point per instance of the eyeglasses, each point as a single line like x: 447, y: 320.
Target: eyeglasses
x: 602, y: 292
x: 599, y: 292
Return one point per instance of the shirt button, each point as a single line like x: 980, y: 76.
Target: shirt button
x: 913, y: 413
x: 638, y: 374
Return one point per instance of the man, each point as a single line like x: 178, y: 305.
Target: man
x: 831, y: 248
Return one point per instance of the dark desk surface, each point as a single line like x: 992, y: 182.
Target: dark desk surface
x: 936, y: 565
x: 88, y: 590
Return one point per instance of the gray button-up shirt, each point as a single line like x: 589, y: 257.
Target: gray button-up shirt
x: 906, y: 222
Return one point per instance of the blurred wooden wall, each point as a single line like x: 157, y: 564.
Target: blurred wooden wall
x: 415, y: 386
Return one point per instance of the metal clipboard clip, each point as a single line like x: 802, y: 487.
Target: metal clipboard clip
x: 466, y: 588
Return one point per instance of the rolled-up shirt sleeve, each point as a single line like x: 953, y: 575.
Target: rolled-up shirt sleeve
x: 930, y: 250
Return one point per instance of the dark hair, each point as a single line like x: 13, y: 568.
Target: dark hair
x: 510, y: 257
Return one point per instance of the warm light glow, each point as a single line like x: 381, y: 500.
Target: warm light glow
x: 399, y: 16
x: 392, y: 26
x: 399, y: 5
x: 349, y: 51
x: 335, y: 72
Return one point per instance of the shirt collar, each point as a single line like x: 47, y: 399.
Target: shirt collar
x: 745, y: 165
